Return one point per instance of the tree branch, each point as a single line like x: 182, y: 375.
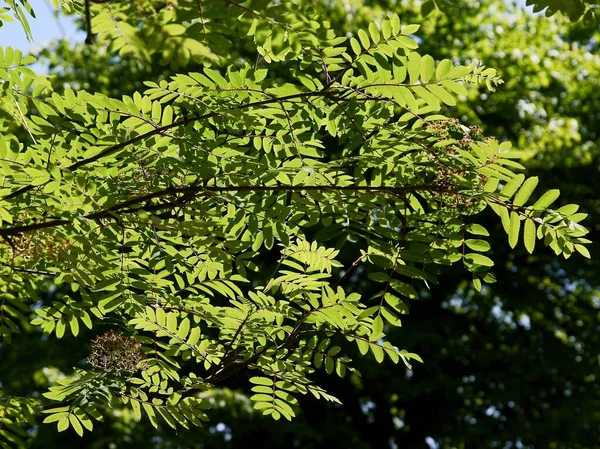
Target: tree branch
x: 221, y: 365
x: 89, y: 38
x: 125, y: 206
x: 161, y: 129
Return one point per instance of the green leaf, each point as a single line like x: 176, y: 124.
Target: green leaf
x: 379, y: 277
x: 63, y: 424
x: 513, y: 230
x: 478, y: 245
x: 427, y: 7
x: 184, y: 328
x: 76, y: 425
x: 261, y: 381
x: 137, y: 409
x: 511, y: 187
x: 582, y: 250
x: 363, y: 346
x: 414, y: 67
x: 404, y: 289
x: 410, y: 29
x: 479, y: 259
x: 386, y: 28
x: 216, y: 77
x: 151, y: 415
x: 377, y: 352
x: 55, y: 417
x: 355, y: 46
x: 568, y: 209
x: 364, y: 39
x: 442, y: 94
x: 427, y: 68
x: 60, y: 328
x: 74, y: 324
x: 329, y: 365
x: 503, y: 214
x: 377, y: 330
x: 477, y: 283
x: 525, y: 191
x: 172, y: 323
x: 443, y: 69
x: 390, y: 317
x: 374, y: 32
x: 546, y: 199
x: 476, y: 229
x: 398, y: 305
x: 529, y: 235
x: 407, y: 42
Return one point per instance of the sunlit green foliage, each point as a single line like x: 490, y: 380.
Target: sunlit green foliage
x: 575, y: 10
x: 149, y: 211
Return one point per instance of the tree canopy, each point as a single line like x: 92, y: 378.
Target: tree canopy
x: 243, y: 190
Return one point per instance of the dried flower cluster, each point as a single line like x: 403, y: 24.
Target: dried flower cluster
x: 113, y: 352
x: 34, y: 246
